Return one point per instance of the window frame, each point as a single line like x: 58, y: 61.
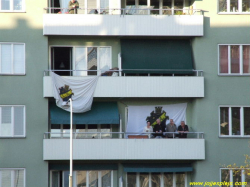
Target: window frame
x: 12, y: 7
x: 231, y: 175
x: 229, y: 60
x: 12, y: 121
x: 12, y: 177
x: 150, y: 181
x: 12, y: 58
x: 228, y: 8
x: 230, y: 122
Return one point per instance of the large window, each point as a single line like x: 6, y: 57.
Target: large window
x: 234, y: 121
x: 12, y: 58
x: 12, y: 177
x: 12, y: 121
x: 234, y: 177
x: 156, y: 179
x: 93, y: 178
x: 11, y: 5
x: 234, y: 6
x: 234, y: 59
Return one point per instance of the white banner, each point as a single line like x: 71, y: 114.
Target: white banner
x: 137, y: 115
x: 81, y: 91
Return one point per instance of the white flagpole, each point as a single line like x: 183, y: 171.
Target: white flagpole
x: 71, y: 144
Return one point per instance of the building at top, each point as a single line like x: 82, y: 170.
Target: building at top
x: 186, y: 60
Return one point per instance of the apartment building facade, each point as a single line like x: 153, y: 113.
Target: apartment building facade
x: 187, y: 58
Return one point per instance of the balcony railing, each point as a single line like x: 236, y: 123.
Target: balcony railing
x: 117, y: 135
x: 126, y: 11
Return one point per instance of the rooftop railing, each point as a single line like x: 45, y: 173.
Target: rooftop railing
x: 125, y: 11
x: 119, y: 135
x: 198, y: 73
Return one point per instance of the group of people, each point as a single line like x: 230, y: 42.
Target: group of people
x: 166, y: 131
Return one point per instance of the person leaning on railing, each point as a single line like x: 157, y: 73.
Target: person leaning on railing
x: 148, y: 129
x: 73, y: 5
x: 182, y: 129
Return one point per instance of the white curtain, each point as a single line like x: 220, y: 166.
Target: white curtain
x: 18, y: 58
x: 83, y: 90
x: 80, y: 62
x: 64, y: 4
x: 137, y: 115
x: 104, y: 58
x: 6, y: 58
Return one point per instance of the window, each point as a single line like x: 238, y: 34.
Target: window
x: 156, y: 179
x: 234, y: 6
x: 234, y: 177
x: 81, y: 131
x: 12, y: 58
x: 92, y: 178
x: 12, y: 121
x: 234, y: 59
x: 12, y: 177
x: 234, y: 121
x: 12, y: 5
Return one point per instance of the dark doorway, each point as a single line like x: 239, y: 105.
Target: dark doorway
x: 61, y: 58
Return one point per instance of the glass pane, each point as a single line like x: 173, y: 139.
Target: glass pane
x: 6, y: 62
x: 131, y: 180
x: 93, y: 130
x: 144, y: 180
x: 225, y: 176
x: 235, y: 120
x: 55, y: 131
x: 224, y: 119
x: 55, y: 179
x: 80, y: 131
x: 245, y: 5
x: 168, y: 179
x: 91, y: 7
x: 223, y: 58
x: 167, y: 4
x: 235, y: 59
x: 81, y: 177
x: 180, y: 179
x: 19, y: 120
x: 17, y: 4
x: 104, y: 6
x: 81, y: 6
x: 80, y: 61
x: 93, y: 178
x: 6, y: 178
x: 130, y: 2
x: 66, y: 179
x: 156, y: 179
x: 247, y: 177
x: 236, y: 177
x: 155, y: 5
x: 18, y: 58
x: 92, y: 60
x: 106, y: 178
x: 246, y: 58
x: 222, y: 5
x: 234, y: 5
x: 246, y: 120
x: 5, y: 4
x: 6, y: 126
x: 178, y: 6
x: 66, y: 131
x: 19, y: 178
x: 105, y: 129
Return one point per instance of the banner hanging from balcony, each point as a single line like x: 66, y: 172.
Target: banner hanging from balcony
x: 80, y: 90
x: 139, y: 115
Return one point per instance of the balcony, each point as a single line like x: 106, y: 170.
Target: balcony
x: 125, y: 148
x: 125, y: 22
x: 138, y: 86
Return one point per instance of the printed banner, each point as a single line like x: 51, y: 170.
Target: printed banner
x: 81, y: 91
x: 138, y: 115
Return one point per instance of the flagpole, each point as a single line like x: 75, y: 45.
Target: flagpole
x: 71, y: 144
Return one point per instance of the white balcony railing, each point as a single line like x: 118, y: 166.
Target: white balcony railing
x: 125, y: 148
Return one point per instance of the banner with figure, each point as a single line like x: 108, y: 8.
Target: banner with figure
x: 80, y: 90
x: 138, y: 115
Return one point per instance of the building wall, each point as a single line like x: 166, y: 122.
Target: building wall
x: 219, y: 90
x: 26, y: 90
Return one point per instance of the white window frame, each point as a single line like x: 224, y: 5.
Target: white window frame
x: 230, y: 122
x: 13, y: 175
x: 228, y: 8
x: 150, y: 182
x: 231, y: 175
x: 229, y: 60
x: 12, y: 58
x: 12, y: 7
x: 13, y: 122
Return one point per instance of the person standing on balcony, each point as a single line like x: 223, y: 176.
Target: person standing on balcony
x: 171, y: 127
x: 73, y: 5
x: 183, y: 129
x: 148, y: 129
x: 158, y: 129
